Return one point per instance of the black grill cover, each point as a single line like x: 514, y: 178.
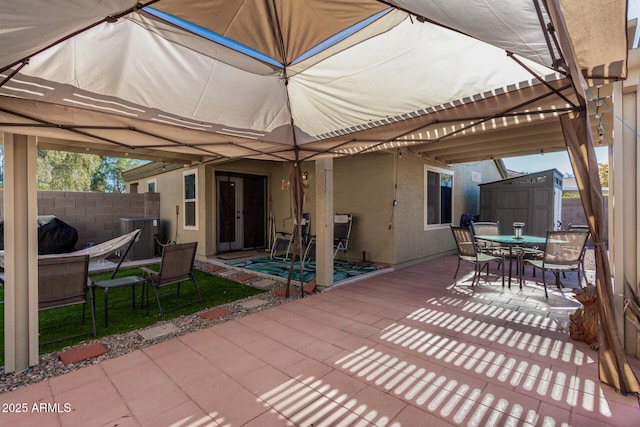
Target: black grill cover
x: 54, y: 237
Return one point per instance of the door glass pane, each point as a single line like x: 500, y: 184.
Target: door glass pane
x: 227, y: 194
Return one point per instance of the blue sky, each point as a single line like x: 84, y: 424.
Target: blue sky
x: 560, y: 160
x: 546, y: 161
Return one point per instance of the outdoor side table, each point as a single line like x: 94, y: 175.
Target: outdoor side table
x: 117, y: 283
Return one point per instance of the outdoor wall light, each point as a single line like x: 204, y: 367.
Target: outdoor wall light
x: 284, y: 184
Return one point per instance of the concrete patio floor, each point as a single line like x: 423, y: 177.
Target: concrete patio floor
x: 407, y: 348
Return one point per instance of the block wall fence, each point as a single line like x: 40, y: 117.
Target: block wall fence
x: 96, y: 216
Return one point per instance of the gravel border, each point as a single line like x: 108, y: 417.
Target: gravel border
x: 120, y: 344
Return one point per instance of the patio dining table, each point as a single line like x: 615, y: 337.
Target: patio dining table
x: 513, y: 242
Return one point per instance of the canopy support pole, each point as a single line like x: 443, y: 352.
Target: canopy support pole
x: 21, y: 252
x: 324, y: 222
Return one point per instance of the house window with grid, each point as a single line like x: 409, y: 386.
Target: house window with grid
x: 438, y: 197
x: 190, y: 190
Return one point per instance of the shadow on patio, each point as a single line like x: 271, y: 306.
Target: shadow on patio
x: 403, y: 348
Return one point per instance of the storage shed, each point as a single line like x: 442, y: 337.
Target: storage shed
x: 535, y: 199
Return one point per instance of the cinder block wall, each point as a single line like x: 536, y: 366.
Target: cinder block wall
x: 96, y: 216
x: 572, y: 213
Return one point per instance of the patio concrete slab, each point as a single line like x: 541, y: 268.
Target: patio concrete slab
x: 228, y: 273
x: 155, y: 332
x: 408, y: 348
x: 263, y: 283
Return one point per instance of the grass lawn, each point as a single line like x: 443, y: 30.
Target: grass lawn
x: 122, y: 317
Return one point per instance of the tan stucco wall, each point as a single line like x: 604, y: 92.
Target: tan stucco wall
x: 364, y: 186
x: 169, y: 184
x: 412, y: 242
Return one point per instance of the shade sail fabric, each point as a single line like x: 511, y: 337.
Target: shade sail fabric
x: 613, y: 366
x: 203, y: 100
x: 200, y: 80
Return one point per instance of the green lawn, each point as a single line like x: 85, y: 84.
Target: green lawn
x: 122, y: 317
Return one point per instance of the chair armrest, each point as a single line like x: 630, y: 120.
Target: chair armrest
x: 148, y: 272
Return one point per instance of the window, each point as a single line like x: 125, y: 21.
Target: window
x: 190, y: 199
x: 133, y: 188
x: 438, y: 209
x: 151, y: 186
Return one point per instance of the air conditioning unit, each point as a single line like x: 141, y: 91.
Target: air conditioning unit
x: 144, y: 247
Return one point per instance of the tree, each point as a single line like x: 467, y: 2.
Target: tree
x: 108, y: 176
x: 66, y: 171
x: 603, y: 172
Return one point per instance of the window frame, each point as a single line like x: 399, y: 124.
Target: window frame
x: 194, y: 200
x: 439, y: 171
x: 155, y: 185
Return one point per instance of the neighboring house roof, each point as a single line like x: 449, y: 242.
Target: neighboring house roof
x: 148, y: 170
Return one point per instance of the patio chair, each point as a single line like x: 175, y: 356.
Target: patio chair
x: 488, y: 229
x: 62, y: 282
x: 341, y: 236
x: 342, y: 233
x: 484, y: 228
x: 468, y: 252
x: 283, y: 242
x: 176, y: 267
x: 584, y: 228
x: 564, y: 251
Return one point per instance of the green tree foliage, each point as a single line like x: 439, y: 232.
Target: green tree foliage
x: 65, y: 171
x: 60, y: 170
x: 108, y: 177
x: 603, y: 171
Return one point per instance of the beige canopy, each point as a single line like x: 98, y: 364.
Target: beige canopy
x: 212, y: 80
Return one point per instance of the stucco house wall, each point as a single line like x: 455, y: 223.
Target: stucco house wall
x: 412, y: 242
x: 365, y: 186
